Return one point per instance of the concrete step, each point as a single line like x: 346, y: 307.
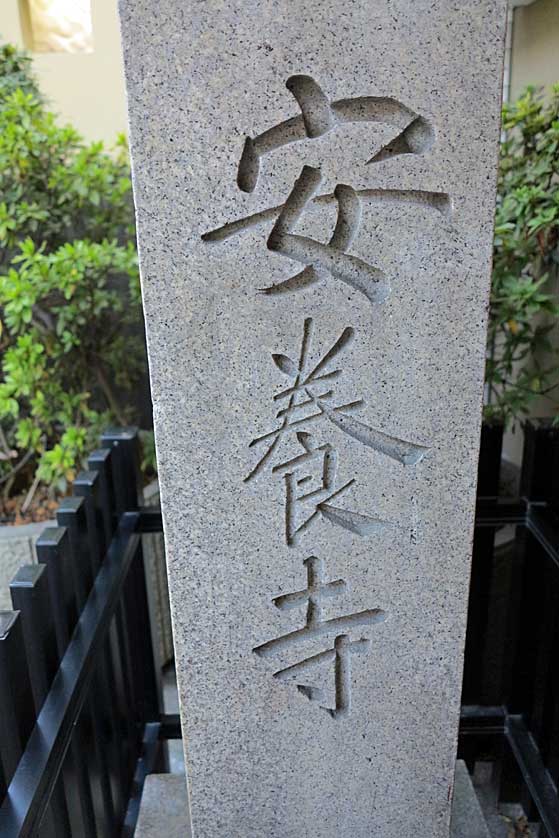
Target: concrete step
x: 468, y: 820
x: 163, y: 811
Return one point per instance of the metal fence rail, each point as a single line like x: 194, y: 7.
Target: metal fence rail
x: 78, y: 686
x: 510, y: 696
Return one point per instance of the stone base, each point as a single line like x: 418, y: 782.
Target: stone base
x: 467, y: 818
x: 153, y: 546
x: 163, y: 810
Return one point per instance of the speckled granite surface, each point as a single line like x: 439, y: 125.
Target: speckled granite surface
x: 164, y: 809
x: 314, y: 184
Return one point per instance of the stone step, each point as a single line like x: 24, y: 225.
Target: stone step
x: 468, y: 820
x: 164, y: 812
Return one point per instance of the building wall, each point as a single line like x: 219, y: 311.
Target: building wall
x: 85, y: 89
x: 88, y: 89
x: 535, y: 45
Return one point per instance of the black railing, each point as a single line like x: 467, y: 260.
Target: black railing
x: 81, y: 721
x: 510, y: 711
x: 79, y: 700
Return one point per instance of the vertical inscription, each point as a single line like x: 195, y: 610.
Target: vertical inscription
x: 312, y: 477
x: 316, y: 626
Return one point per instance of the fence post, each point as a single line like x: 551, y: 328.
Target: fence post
x: 126, y: 477
x: 92, y: 487
x: 539, y: 481
x: 17, y: 713
x: 30, y: 596
x: 126, y: 467
x: 533, y: 625
x: 475, y: 662
x: 101, y: 462
x: 72, y: 516
x: 532, y: 588
x: 489, y: 464
x: 87, y: 486
x: 54, y: 551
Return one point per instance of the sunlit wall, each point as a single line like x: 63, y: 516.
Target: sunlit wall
x: 85, y: 87
x: 57, y: 25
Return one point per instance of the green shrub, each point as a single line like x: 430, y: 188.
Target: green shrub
x: 16, y: 72
x: 70, y: 309
x: 522, y: 363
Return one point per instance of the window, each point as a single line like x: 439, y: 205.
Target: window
x: 57, y: 25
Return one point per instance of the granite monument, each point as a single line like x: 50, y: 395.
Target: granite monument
x: 315, y: 184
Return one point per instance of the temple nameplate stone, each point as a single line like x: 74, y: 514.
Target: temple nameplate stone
x: 315, y: 185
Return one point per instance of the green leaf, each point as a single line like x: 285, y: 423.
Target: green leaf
x: 69, y: 290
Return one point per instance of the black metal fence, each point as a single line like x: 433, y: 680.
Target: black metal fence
x: 81, y: 720
x: 79, y: 704
x: 510, y: 698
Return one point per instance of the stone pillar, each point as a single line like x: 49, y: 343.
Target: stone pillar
x: 315, y: 185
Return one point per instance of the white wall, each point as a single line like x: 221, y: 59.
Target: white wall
x: 85, y: 89
x: 535, y: 45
